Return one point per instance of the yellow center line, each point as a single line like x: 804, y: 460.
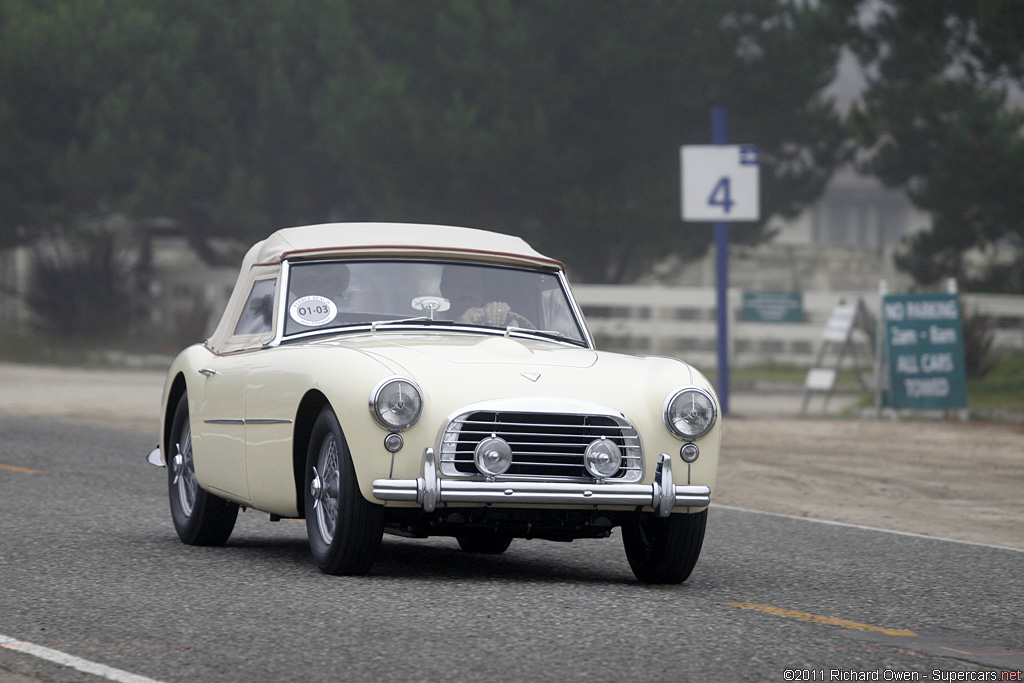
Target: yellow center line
x: 819, y: 619
x: 23, y: 470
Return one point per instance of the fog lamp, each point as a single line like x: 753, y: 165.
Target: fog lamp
x: 602, y: 458
x: 493, y: 456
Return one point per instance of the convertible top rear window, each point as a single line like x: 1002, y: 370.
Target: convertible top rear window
x: 258, y: 314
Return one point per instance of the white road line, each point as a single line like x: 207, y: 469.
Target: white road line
x: 70, y: 661
x: 869, y: 528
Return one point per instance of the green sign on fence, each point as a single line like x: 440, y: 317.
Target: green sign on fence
x: 925, y: 351
x: 773, y: 307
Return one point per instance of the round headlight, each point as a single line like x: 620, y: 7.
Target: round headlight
x: 493, y: 456
x: 602, y: 458
x: 690, y: 413
x: 396, y: 403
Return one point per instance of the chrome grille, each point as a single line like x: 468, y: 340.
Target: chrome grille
x: 544, y: 445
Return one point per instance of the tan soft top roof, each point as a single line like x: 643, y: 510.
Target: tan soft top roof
x: 333, y: 240
x: 358, y: 239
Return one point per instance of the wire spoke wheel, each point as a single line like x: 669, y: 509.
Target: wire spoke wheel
x: 185, y: 472
x: 199, y: 517
x: 344, y: 528
x: 327, y: 503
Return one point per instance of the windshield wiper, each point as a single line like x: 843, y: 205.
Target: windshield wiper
x: 547, y: 334
x: 424, y: 320
x: 418, y: 319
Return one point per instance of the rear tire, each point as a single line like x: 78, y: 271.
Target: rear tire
x: 199, y: 517
x: 486, y: 545
x: 345, y: 529
x: 663, y: 549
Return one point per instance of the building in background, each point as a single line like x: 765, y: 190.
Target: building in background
x: 845, y: 242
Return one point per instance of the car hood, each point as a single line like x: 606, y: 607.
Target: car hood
x: 456, y: 371
x: 467, y: 368
x: 413, y: 352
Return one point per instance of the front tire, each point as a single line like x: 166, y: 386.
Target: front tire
x: 199, y: 517
x: 345, y: 529
x: 663, y: 549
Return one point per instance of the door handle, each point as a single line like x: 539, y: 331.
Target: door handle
x: 207, y: 371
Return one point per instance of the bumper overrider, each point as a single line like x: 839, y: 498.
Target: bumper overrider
x: 429, y: 489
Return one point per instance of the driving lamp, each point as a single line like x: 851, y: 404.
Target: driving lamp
x: 690, y: 413
x: 493, y: 456
x: 602, y: 458
x: 396, y: 403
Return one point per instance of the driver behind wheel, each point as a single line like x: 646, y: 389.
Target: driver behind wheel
x: 464, y: 287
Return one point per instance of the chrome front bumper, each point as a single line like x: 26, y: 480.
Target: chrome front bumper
x: 429, y: 489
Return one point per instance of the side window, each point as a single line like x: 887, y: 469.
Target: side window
x: 258, y: 315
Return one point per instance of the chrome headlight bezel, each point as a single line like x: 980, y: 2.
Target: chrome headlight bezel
x: 671, y: 413
x: 379, y: 406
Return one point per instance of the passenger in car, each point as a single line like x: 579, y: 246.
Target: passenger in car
x: 329, y: 280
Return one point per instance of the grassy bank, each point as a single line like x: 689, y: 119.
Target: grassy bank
x: 43, y: 350
x: 1002, y: 389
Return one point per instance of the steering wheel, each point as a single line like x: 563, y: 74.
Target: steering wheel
x: 521, y: 321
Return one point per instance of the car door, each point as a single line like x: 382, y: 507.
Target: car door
x: 220, y: 452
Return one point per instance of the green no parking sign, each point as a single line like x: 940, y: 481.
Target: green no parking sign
x: 924, y: 351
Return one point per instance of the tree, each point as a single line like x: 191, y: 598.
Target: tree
x: 936, y: 119
x: 189, y: 110
x: 559, y: 120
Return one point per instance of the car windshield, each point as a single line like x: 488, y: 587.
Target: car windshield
x: 330, y: 294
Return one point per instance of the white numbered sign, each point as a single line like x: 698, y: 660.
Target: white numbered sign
x: 720, y: 183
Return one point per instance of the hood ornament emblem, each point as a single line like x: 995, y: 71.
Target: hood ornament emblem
x: 532, y: 376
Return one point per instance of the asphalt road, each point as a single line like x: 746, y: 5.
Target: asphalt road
x: 91, y: 569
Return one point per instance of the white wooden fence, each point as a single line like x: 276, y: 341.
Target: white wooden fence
x: 680, y: 321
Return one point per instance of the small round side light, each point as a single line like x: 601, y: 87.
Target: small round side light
x: 393, y: 442
x: 689, y: 452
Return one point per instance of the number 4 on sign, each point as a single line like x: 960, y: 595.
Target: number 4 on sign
x: 721, y: 195
x: 720, y: 183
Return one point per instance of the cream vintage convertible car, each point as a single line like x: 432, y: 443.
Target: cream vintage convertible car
x: 425, y: 380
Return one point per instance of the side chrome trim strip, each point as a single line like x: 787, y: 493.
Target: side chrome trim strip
x: 428, y: 490
x: 250, y: 421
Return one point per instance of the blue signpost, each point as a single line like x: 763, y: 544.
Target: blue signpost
x: 720, y: 135
x: 720, y: 183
